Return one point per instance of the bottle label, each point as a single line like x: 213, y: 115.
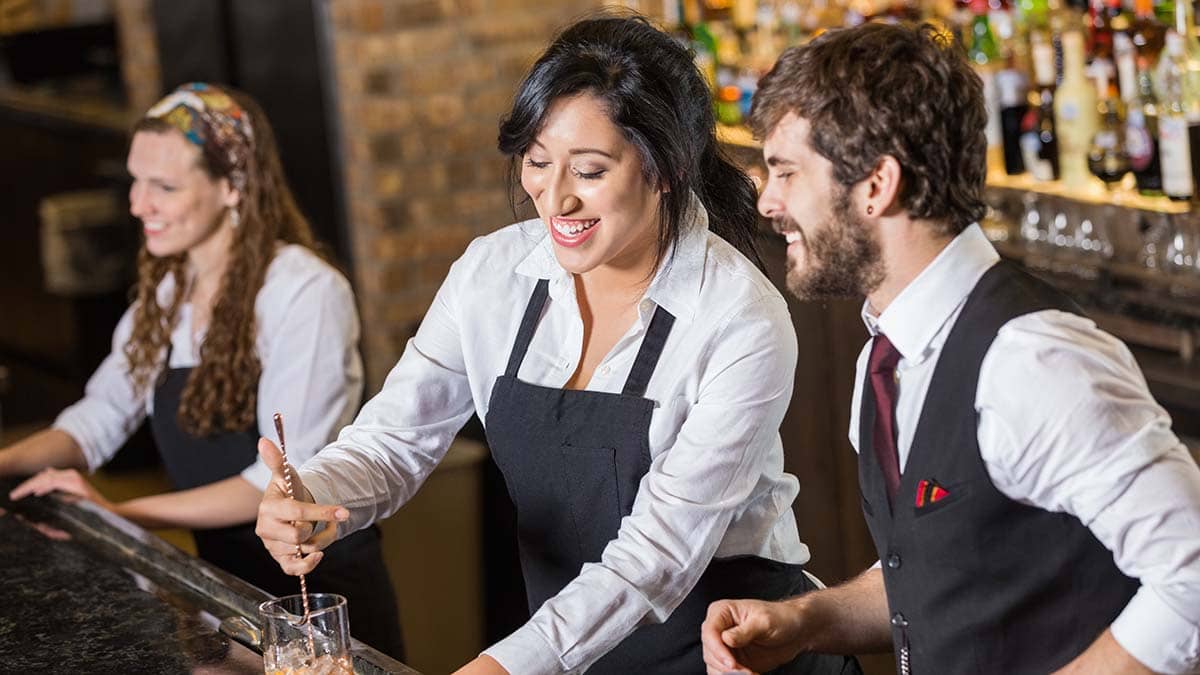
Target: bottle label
x: 994, y: 137
x: 1138, y: 144
x: 1175, y: 156
x: 1043, y: 63
x: 1031, y: 147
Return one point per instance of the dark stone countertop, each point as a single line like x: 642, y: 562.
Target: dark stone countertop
x: 84, y: 591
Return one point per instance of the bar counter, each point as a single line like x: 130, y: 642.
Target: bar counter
x: 85, y: 591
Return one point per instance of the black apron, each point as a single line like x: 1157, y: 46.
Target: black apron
x: 352, y: 566
x: 572, y: 461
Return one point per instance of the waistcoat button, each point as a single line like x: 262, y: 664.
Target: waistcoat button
x: 893, y: 561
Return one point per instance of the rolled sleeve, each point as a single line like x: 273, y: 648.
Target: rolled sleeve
x: 1067, y: 424
x: 110, y: 410
x: 1156, y: 635
x: 526, y: 651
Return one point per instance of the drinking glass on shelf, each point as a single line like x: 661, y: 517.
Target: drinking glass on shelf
x: 1154, y: 229
x: 1064, y: 228
x: 1180, y: 254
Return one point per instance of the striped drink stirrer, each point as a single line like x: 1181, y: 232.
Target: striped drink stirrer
x: 287, y: 481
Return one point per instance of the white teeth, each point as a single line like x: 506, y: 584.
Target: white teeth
x: 792, y: 237
x: 575, y: 227
x: 154, y: 226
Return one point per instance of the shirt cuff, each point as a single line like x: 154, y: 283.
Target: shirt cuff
x: 322, y: 492
x: 1154, y: 633
x: 525, y: 652
x: 66, y: 424
x: 258, y: 475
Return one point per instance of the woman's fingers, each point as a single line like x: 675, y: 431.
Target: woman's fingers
x: 46, y: 481
x: 292, y: 562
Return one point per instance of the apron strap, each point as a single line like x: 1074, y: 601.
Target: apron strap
x: 651, y: 349
x: 533, y: 312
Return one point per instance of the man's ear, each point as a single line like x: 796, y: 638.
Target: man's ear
x: 883, y: 186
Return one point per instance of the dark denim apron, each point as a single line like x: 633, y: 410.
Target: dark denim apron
x: 572, y: 461
x: 352, y: 567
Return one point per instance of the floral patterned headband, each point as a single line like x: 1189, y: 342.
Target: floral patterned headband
x: 213, y: 120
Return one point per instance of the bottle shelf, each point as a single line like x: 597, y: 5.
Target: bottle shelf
x: 1095, y: 193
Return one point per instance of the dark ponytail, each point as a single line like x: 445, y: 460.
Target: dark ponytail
x: 654, y: 93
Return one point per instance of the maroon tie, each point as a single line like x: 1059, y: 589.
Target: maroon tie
x: 882, y: 367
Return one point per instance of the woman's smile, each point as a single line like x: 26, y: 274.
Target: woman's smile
x: 571, y: 232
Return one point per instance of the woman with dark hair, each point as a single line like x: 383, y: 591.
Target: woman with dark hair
x: 630, y: 363
x: 236, y: 316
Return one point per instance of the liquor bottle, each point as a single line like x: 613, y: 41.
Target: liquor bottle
x: 1126, y: 57
x: 1012, y: 97
x: 1039, y: 142
x: 1141, y: 134
x: 1074, y: 114
x: 1107, y: 157
x: 1174, y: 153
x: 984, y: 54
x: 1147, y: 32
x: 1185, y: 27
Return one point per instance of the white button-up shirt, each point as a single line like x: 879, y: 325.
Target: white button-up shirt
x: 1066, y: 424
x: 307, y: 343
x: 716, y: 485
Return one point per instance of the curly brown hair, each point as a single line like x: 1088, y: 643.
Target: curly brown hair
x: 889, y: 90
x: 221, y: 391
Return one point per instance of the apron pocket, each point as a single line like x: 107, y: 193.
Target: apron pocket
x: 590, y: 481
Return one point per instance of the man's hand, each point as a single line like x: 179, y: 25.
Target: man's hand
x: 750, y: 635
x: 1106, y: 657
x: 286, y: 525
x: 68, y: 481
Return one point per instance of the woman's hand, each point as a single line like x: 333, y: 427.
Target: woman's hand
x: 286, y: 525
x: 67, y: 481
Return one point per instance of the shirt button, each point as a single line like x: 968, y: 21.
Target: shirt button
x: 647, y: 304
x: 893, y: 561
x: 899, y: 621
x: 605, y: 370
x: 562, y: 365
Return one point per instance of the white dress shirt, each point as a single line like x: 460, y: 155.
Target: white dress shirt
x: 1066, y: 424
x: 307, y: 343
x: 716, y: 485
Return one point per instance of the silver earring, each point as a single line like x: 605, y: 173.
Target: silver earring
x: 870, y: 210
x: 235, y: 218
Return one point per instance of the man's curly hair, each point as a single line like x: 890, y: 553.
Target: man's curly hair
x: 883, y: 89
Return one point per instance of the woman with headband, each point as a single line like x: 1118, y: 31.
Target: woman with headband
x: 236, y: 316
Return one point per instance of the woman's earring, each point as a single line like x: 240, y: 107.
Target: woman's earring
x: 235, y: 218
x: 870, y: 209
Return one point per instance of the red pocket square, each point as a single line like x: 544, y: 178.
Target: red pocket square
x: 928, y: 492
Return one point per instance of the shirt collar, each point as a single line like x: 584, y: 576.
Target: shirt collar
x: 922, y: 308
x: 676, y: 283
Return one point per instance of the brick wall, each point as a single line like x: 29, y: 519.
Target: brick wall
x: 421, y: 87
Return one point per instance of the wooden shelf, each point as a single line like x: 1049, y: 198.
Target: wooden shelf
x: 82, y: 111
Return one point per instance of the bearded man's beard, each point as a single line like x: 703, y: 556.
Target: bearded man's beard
x: 842, y: 259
